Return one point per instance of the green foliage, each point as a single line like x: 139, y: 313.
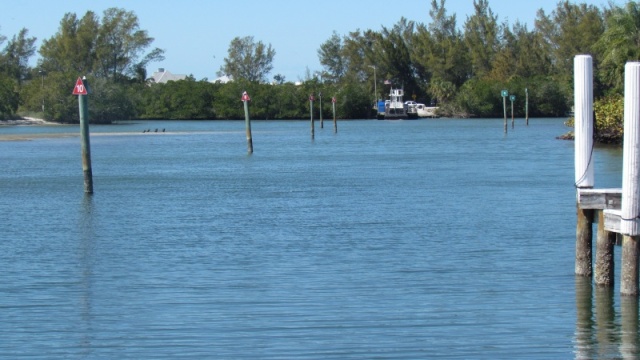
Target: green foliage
x: 609, y: 119
x: 248, y: 60
x: 620, y: 43
x: 9, y: 98
x: 479, y: 97
x: 16, y: 56
x: 481, y: 37
x: 464, y: 71
x: 178, y: 100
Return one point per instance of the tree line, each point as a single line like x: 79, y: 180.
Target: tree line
x: 461, y: 67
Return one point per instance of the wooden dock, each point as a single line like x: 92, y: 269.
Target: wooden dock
x: 616, y: 211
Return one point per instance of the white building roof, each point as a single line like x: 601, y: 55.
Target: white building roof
x: 163, y: 76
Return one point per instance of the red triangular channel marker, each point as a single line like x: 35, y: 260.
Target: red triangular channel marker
x: 79, y: 89
x: 245, y: 96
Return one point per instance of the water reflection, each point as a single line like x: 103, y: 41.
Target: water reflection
x: 606, y: 333
x: 629, y: 315
x: 599, y: 335
x: 87, y: 234
x: 584, y: 337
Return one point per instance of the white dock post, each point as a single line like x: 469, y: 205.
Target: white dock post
x: 630, y: 207
x: 583, y: 108
x: 584, y: 176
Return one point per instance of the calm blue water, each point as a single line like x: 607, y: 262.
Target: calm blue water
x: 392, y: 240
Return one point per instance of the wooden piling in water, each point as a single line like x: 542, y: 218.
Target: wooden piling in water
x: 247, y: 121
x: 605, y: 242
x: 504, y: 107
x: 513, y: 122
x: 335, y: 122
x: 83, y: 105
x: 584, y: 236
x: 321, y: 121
x: 584, y: 175
x: 630, y: 207
x: 311, y: 98
x: 526, y: 105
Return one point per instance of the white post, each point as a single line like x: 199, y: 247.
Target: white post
x: 583, y: 108
x: 583, y: 89
x: 630, y: 208
x: 631, y: 153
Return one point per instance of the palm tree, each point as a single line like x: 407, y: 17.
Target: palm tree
x: 620, y: 43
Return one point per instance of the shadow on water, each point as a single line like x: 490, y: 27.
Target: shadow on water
x: 603, y: 334
x: 86, y: 246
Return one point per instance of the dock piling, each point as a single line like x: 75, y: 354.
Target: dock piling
x: 247, y: 121
x: 83, y: 105
x: 630, y: 207
x: 311, y: 98
x: 584, y: 236
x: 605, y: 242
x: 584, y: 175
x: 335, y: 122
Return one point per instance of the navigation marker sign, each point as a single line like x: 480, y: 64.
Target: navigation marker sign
x: 79, y: 89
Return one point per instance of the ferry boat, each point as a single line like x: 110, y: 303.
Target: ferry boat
x: 394, y: 108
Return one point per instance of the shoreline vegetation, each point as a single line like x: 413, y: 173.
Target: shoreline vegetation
x: 461, y: 68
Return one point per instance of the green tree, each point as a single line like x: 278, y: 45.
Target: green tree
x: 447, y: 57
x: 619, y: 44
x: 16, y: 55
x: 9, y: 98
x: 571, y: 29
x: 393, y: 55
x: 120, y: 45
x: 248, y: 60
x: 530, y: 57
x: 72, y: 48
x: 481, y: 37
x: 331, y: 58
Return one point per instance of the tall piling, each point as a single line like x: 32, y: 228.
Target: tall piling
x: 630, y: 207
x: 584, y: 174
x: 80, y: 89
x: 321, y: 121
x: 526, y: 105
x: 247, y: 121
x: 335, y: 122
x: 313, y: 130
x: 504, y: 108
x: 513, y: 122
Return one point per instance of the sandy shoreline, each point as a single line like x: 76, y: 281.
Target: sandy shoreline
x: 27, y: 121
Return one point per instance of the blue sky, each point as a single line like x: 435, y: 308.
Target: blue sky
x: 195, y: 34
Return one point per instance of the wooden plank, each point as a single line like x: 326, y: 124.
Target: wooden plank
x: 612, y: 219
x: 600, y: 199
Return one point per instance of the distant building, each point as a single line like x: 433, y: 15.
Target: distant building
x: 162, y: 76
